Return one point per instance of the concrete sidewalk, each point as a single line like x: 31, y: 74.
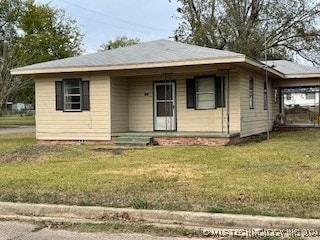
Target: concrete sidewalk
x: 62, y: 213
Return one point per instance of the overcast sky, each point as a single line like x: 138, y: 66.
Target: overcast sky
x: 103, y: 20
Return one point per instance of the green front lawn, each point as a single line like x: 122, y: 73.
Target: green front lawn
x: 280, y: 177
x: 16, y: 120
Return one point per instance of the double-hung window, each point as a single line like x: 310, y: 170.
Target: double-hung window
x: 72, y: 95
x: 205, y: 92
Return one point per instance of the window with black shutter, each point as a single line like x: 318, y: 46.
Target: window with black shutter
x: 205, y: 92
x: 72, y: 95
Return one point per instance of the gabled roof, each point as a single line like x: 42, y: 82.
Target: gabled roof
x: 160, y: 53
x: 294, y: 70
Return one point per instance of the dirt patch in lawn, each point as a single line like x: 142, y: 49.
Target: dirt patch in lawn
x: 114, y: 150
x: 30, y: 153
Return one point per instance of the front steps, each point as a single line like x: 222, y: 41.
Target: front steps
x: 135, y: 141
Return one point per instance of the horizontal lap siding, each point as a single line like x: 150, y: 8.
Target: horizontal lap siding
x: 254, y: 121
x: 141, y: 106
x: 86, y: 125
x: 119, y: 105
x: 207, y: 120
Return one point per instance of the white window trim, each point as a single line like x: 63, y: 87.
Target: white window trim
x: 65, y: 95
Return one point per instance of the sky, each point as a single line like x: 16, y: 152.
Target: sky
x: 104, y: 20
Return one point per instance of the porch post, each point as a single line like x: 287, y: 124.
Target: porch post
x: 221, y: 100
x: 167, y: 79
x: 225, y: 98
x: 228, y: 101
x: 318, y: 93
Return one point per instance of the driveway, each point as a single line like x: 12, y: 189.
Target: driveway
x: 18, y: 129
x: 28, y: 231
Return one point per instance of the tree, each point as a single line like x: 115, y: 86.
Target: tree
x: 49, y: 33
x: 32, y: 33
x: 119, y: 42
x: 288, y: 27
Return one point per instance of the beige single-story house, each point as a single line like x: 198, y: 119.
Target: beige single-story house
x: 174, y: 92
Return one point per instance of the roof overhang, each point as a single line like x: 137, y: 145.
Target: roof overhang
x: 302, y: 75
x: 73, y: 69
x: 240, y: 59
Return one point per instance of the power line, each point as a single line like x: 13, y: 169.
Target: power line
x: 112, y: 25
x: 116, y: 18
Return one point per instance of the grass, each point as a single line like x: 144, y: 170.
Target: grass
x: 16, y: 120
x: 280, y: 177
x: 122, y: 227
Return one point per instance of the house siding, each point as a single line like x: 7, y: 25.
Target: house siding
x: 119, y: 105
x: 254, y: 121
x: 208, y: 120
x: 141, y: 107
x: 86, y: 125
x: 140, y: 104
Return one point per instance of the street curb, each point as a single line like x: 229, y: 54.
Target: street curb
x: 178, y: 218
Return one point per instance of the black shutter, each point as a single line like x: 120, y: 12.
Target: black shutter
x: 85, y: 96
x: 190, y: 85
x: 59, y: 95
x: 220, y: 91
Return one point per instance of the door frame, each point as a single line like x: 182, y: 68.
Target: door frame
x: 155, y: 83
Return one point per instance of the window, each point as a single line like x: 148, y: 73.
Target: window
x: 205, y: 92
x: 72, y: 95
x: 265, y: 97
x: 251, y: 93
x: 310, y: 95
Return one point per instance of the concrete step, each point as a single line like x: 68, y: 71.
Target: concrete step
x: 135, y: 140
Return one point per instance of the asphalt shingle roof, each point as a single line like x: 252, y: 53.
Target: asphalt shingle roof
x: 149, y: 52
x: 288, y: 67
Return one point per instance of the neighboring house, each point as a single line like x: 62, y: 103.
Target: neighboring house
x: 301, y: 97
x: 175, y: 92
x: 12, y: 107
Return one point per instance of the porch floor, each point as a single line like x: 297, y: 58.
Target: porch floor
x: 178, y: 134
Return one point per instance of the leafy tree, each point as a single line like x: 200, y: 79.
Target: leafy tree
x: 32, y: 33
x: 49, y: 33
x: 288, y: 27
x: 119, y: 42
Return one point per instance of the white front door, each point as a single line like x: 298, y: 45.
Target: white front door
x: 164, y: 106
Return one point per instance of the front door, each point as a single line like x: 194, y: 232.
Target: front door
x: 164, y: 106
